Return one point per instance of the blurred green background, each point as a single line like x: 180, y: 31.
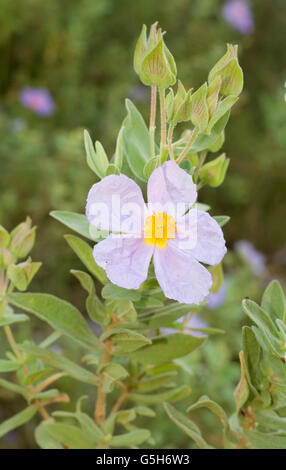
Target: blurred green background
x: 82, y: 53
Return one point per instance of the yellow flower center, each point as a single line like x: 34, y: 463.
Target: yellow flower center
x: 159, y: 228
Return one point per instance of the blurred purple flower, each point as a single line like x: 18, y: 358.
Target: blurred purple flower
x: 193, y: 322
x: 139, y: 93
x: 217, y: 299
x: 38, y: 100
x: 239, y: 15
x: 254, y: 258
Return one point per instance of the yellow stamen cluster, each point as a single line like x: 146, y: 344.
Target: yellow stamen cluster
x: 159, y: 228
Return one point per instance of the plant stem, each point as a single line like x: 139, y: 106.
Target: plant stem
x: 170, y: 138
x: 152, y: 126
x: 200, y: 164
x: 119, y: 402
x: 188, y: 146
x: 163, y: 120
x: 100, y: 407
x: 13, y: 344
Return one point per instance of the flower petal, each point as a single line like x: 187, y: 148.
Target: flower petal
x: 116, y: 204
x: 125, y: 260
x: 180, y: 276
x: 169, y: 185
x: 200, y: 236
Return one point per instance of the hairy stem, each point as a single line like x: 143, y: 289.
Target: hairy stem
x: 100, y: 407
x: 170, y: 138
x: 152, y: 126
x: 163, y: 120
x: 188, y: 146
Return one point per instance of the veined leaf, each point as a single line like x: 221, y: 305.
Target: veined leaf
x: 17, y: 420
x: 126, y: 340
x: 172, y: 395
x: 166, y: 348
x: 184, y: 423
x: 84, y: 252
x: 59, y: 314
x: 133, y: 438
x: 61, y: 362
x: 113, y: 292
x: 273, y: 300
x: 205, y: 402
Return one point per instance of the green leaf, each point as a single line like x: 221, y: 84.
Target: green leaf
x: 204, y: 141
x: 222, y: 219
x: 166, y: 348
x: 223, y: 106
x: 38, y: 376
x: 9, y: 318
x: 270, y: 419
x: 96, y: 159
x: 241, y: 392
x: 150, y: 166
x: 136, y: 143
x: 123, y: 308
x: 89, y: 428
x: 60, y: 315
x: 130, y: 439
x: 205, y: 402
x: 259, y: 316
x: 111, y: 291
x: 155, y: 382
x: 76, y: 222
x: 172, y: 395
x: 144, y: 411
x: 84, y: 252
x: 273, y: 300
x: 68, y: 435
x: 118, y: 157
x: 17, y: 420
x: 112, y: 373
x: 190, y: 428
x: 61, y: 362
x: 126, y: 340
x: 168, y: 314
x: 8, y: 366
x: 14, y: 387
x: 44, y: 440
x: 261, y: 440
x: 94, y: 306
x: 252, y: 357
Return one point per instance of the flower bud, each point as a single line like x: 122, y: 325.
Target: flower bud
x: 153, y: 61
x: 22, y: 239
x: 22, y: 274
x: 215, y: 147
x: 213, y: 94
x: 4, y: 237
x: 229, y: 71
x: 179, y: 107
x: 199, y: 112
x: 213, y: 173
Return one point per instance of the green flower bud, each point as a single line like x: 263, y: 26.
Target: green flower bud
x: 199, y: 111
x: 6, y: 257
x: 22, y: 274
x: 153, y: 61
x: 213, y: 173
x: 229, y: 71
x: 213, y: 94
x: 179, y: 107
x: 22, y: 239
x: 4, y: 237
x: 216, y: 146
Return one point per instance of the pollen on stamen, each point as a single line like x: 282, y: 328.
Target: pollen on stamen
x: 159, y: 228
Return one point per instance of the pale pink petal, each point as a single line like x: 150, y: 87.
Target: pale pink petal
x: 116, y: 204
x: 180, y: 276
x: 169, y: 185
x: 125, y: 260
x: 200, y: 236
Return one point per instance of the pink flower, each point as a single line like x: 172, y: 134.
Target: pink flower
x: 38, y: 100
x: 179, y: 241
